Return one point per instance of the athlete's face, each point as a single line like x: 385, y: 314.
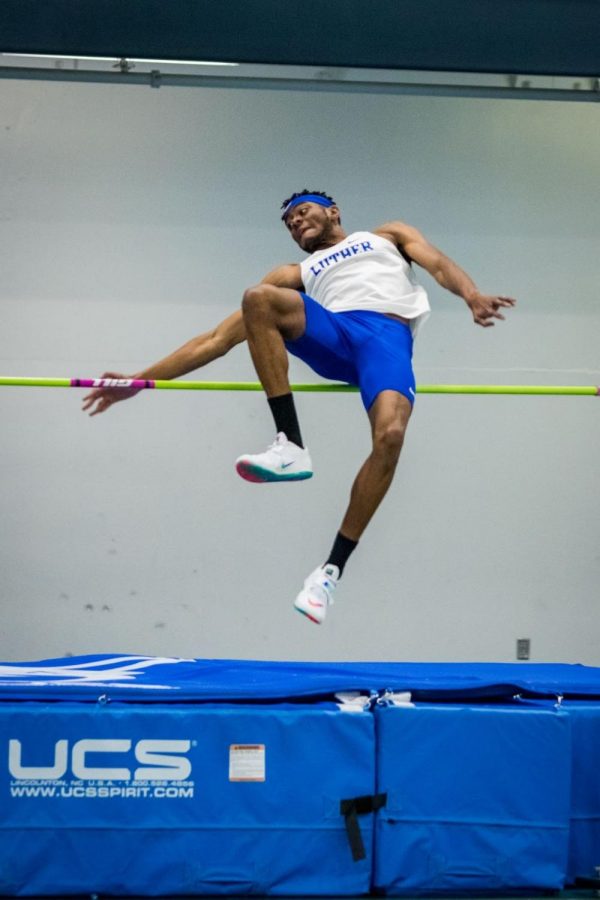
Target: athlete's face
x: 311, y: 225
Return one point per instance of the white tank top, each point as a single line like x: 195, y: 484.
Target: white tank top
x: 365, y: 272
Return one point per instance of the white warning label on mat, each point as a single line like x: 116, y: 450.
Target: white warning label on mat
x: 246, y: 762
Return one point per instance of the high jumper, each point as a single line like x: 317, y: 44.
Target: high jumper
x: 350, y: 311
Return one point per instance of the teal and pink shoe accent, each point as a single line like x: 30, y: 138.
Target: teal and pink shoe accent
x: 317, y: 615
x: 259, y: 475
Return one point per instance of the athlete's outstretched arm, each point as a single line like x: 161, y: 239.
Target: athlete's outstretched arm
x: 194, y: 354
x: 446, y: 272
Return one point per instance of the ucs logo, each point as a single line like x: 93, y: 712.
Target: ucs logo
x: 160, y: 761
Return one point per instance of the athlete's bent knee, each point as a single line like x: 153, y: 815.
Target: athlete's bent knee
x: 389, y: 439
x: 256, y: 299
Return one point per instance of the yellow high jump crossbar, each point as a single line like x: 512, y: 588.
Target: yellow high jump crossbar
x: 319, y: 387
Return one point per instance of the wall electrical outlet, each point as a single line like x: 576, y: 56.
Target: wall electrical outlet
x: 523, y: 648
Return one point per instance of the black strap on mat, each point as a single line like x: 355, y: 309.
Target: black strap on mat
x: 588, y: 883
x: 351, y: 809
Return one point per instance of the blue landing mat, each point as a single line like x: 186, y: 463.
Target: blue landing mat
x: 232, y: 774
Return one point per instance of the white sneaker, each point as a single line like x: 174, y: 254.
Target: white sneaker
x: 282, y: 461
x: 317, y: 593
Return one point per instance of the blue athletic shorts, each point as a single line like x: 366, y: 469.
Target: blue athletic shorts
x: 366, y: 349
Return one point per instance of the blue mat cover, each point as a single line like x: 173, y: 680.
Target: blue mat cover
x: 478, y: 799
x: 153, y: 800
x: 584, y: 840
x: 142, y: 678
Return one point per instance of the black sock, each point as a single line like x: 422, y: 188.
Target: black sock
x: 286, y: 420
x: 341, y: 550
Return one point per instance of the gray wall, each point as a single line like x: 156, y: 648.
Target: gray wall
x: 132, y: 219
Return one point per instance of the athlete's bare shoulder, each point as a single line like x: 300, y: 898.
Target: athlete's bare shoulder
x: 289, y: 275
x: 399, y: 233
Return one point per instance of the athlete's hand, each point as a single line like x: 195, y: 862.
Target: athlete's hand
x: 486, y: 308
x: 99, y: 400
